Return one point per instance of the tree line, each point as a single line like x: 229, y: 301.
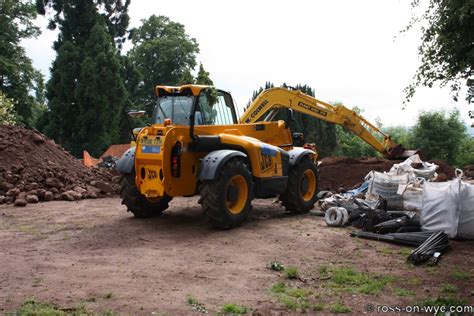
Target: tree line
x: 93, y: 80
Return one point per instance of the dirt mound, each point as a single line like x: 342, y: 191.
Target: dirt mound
x: 34, y: 168
x: 443, y: 167
x: 347, y: 173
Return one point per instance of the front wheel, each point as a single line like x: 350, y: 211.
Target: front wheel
x: 302, y: 188
x: 226, y: 201
x: 137, y: 203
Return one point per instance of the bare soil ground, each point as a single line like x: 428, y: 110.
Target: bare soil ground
x: 92, y: 252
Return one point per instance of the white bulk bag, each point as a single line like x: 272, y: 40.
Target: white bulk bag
x: 386, y: 186
x: 448, y: 206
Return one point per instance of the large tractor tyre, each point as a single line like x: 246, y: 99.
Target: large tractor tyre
x: 138, y: 203
x: 226, y: 201
x: 302, y: 188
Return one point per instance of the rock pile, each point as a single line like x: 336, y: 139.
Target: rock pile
x: 34, y: 168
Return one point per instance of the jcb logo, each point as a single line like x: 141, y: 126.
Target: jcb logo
x: 265, y: 162
x: 151, y: 174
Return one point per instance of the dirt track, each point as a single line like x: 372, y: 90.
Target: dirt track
x: 93, y: 252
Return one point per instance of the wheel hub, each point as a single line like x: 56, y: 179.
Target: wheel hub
x: 232, y: 194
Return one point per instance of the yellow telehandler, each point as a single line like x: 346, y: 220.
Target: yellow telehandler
x: 196, y: 144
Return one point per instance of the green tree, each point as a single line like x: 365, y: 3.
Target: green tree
x: 74, y: 17
x: 439, y: 134
x: 351, y: 145
x: 465, y: 155
x: 203, y: 77
x: 18, y: 78
x: 447, y: 45
x: 163, y: 53
x: 7, y: 110
x: 187, y: 78
x: 400, y: 135
x: 86, y: 91
x: 100, y: 93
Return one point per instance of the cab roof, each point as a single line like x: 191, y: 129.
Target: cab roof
x: 193, y: 89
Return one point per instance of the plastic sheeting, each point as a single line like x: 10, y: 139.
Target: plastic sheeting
x: 426, y: 170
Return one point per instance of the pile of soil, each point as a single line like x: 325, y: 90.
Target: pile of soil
x: 34, y: 168
x: 337, y: 173
x: 443, y: 168
x: 469, y: 171
x: 342, y: 173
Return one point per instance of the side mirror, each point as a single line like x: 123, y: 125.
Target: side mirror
x: 136, y: 113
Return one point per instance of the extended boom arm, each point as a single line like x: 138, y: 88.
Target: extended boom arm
x: 268, y: 102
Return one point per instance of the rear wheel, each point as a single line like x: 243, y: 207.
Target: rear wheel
x: 302, y: 188
x: 226, y: 200
x: 137, y: 203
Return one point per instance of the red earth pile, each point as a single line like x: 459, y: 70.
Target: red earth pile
x: 346, y: 173
x: 336, y: 173
x: 34, y: 168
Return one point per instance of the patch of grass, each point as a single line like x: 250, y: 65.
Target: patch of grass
x: 442, y: 301
x: 431, y: 270
x: 234, y: 309
x: 387, y: 251
x: 292, y: 298
x: 195, y: 304
x: 89, y: 300
x: 350, y: 280
x: 33, y: 307
x: 36, y: 282
x: 405, y: 252
x: 279, y: 287
x: 415, y: 281
x: 323, y: 271
x: 403, y: 292
x: 109, y: 295
x: 292, y: 273
x: 448, y: 288
x: 317, y: 307
x: 461, y: 275
x: 339, y: 308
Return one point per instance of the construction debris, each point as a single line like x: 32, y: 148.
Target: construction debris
x: 406, y: 206
x: 431, y: 249
x: 413, y: 239
x: 34, y: 168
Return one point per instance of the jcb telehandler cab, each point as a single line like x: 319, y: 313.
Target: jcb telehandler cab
x: 196, y: 145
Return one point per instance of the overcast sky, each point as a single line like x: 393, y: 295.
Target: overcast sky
x: 348, y: 51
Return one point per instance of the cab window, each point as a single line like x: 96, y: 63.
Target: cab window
x: 219, y: 113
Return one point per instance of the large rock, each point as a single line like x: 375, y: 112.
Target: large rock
x: 79, y: 189
x: 104, y: 187
x: 37, y: 139
x: 71, y: 195
x: 13, y: 192
x: 20, y: 202
x: 31, y: 198
x: 6, y: 186
x: 53, y: 183
x: 48, y: 196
